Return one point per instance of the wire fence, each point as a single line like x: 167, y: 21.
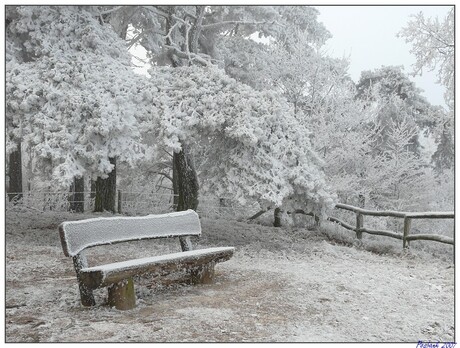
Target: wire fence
x: 50, y: 200
x: 135, y: 203
x: 225, y: 208
x: 127, y: 203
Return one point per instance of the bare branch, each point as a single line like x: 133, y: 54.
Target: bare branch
x: 170, y: 154
x: 167, y: 176
x: 219, y: 24
x: 167, y: 188
x: 156, y: 10
x: 138, y: 37
x: 170, y: 31
x: 110, y: 11
x: 188, y: 14
x: 190, y: 56
x: 198, y: 28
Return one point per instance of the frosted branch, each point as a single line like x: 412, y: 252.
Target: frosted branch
x: 199, y: 26
x: 156, y: 10
x: 219, y: 24
x: 110, y: 11
x: 168, y: 35
x: 167, y: 176
x: 191, y: 56
x: 137, y: 38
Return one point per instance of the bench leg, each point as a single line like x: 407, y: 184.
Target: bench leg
x: 122, y: 295
x: 86, y: 295
x: 203, y: 274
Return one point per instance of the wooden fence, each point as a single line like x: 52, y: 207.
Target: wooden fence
x: 405, y: 236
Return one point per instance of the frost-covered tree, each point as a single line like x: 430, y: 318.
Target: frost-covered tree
x: 253, y: 145
x: 433, y: 44
x: 74, y: 102
x: 13, y: 147
x: 354, y: 135
x: 444, y: 157
x: 395, y: 172
x: 391, y: 88
x: 343, y: 133
x: 322, y: 96
x: 87, y: 109
x: 399, y: 98
x: 181, y: 36
x: 295, y: 72
x: 389, y: 81
x: 351, y: 134
x: 293, y: 34
x: 285, y: 65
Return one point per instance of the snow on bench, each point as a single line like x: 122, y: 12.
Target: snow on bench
x: 79, y: 235
x: 76, y: 236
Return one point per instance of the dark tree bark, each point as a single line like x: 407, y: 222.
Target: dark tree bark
x: 77, y: 195
x: 106, y: 191
x: 277, y: 215
x: 93, y: 189
x: 187, y: 181
x: 175, y: 184
x: 361, y: 201
x: 15, y: 174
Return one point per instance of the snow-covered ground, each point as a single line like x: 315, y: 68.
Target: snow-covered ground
x: 282, y: 285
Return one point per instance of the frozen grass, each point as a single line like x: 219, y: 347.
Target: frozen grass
x: 282, y: 285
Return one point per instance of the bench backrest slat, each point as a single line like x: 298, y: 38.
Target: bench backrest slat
x: 79, y: 235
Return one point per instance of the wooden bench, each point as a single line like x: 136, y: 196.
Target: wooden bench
x: 76, y: 236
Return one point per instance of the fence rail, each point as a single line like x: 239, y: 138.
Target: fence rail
x: 405, y: 236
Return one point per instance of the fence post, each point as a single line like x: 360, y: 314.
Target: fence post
x: 359, y: 225
x: 119, y: 201
x: 407, y: 222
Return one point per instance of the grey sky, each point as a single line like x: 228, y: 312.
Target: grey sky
x: 367, y: 35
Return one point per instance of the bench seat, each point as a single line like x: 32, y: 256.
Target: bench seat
x: 105, y: 275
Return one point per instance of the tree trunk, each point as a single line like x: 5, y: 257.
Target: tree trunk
x: 187, y: 181
x: 175, y: 184
x: 93, y: 189
x: 106, y: 190
x: 277, y: 215
x: 15, y: 174
x: 77, y: 196
x: 361, y: 201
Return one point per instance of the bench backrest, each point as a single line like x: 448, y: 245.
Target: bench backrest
x: 79, y: 235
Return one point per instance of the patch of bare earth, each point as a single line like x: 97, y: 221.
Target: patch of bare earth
x: 282, y: 285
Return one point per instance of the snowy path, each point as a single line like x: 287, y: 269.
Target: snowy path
x: 266, y: 293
